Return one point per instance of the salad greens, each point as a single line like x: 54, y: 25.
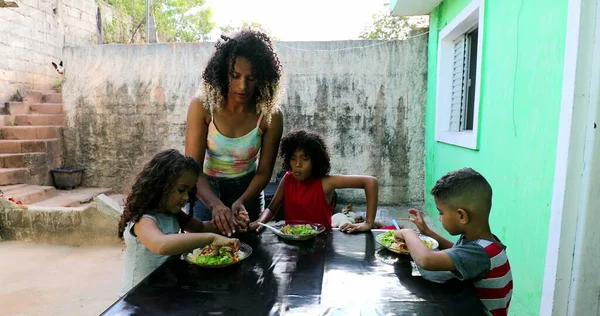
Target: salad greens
x: 299, y: 230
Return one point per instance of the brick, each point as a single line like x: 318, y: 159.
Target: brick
x: 46, y: 108
x: 15, y: 108
x: 32, y: 97
x: 15, y: 132
x: 12, y: 175
x: 16, y: 160
x: 7, y: 146
x: 52, y: 98
x: 32, y: 146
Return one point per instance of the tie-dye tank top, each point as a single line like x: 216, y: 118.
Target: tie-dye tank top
x: 231, y: 157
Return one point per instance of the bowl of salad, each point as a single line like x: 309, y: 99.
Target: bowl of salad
x: 388, y: 241
x: 212, y: 256
x: 299, y: 231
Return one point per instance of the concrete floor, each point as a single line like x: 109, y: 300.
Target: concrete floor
x: 58, y: 280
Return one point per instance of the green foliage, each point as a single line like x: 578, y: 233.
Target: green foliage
x: 176, y: 21
x: 388, y: 27
x: 229, y: 29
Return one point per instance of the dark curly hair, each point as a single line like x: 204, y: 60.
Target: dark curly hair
x: 266, y: 68
x: 153, y: 185
x: 313, y: 146
x: 464, y: 187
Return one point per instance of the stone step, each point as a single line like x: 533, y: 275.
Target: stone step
x: 39, y: 119
x: 54, y: 97
x: 31, y: 132
x: 72, y: 198
x: 22, y: 160
x: 51, y: 146
x: 46, y: 108
x: 14, y: 108
x: 29, y: 194
x: 13, y: 175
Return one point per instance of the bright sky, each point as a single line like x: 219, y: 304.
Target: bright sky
x: 304, y: 20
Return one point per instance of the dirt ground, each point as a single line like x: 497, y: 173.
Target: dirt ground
x: 41, y: 279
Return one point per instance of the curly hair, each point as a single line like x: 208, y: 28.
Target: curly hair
x: 266, y: 68
x: 313, y: 146
x: 464, y: 187
x: 154, y: 184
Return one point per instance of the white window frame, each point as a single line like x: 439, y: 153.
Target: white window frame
x: 467, y: 20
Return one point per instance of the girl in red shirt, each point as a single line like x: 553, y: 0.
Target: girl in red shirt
x: 307, y: 188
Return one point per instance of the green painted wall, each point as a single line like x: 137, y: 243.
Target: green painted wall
x: 522, y: 68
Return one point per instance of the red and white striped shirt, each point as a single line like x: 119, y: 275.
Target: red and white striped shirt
x: 495, y: 289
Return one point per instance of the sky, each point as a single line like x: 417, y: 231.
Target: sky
x: 305, y: 20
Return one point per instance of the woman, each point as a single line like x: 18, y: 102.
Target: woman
x: 236, y: 119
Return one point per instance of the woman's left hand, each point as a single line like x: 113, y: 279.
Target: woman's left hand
x: 355, y: 228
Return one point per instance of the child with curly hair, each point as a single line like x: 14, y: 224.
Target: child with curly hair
x: 236, y: 120
x: 153, y: 217
x: 307, y: 188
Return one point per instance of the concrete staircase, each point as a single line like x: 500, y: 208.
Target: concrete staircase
x: 31, y: 145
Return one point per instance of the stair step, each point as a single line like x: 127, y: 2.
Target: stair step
x: 13, y: 175
x: 39, y: 120
x: 21, y: 160
x: 31, y: 132
x: 72, y: 198
x: 54, y: 97
x: 30, y: 194
x: 50, y: 146
x: 15, y: 108
x: 33, y: 96
x: 10, y: 187
x: 46, y: 108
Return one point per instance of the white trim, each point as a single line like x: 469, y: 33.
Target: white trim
x: 465, y: 21
x: 412, y: 7
x: 573, y: 180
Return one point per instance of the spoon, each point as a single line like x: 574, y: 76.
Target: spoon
x: 395, y: 224
x: 275, y: 230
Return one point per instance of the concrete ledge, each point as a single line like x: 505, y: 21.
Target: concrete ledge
x: 73, y: 226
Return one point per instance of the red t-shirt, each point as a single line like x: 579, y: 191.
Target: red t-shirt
x: 305, y: 201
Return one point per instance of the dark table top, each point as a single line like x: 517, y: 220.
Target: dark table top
x: 333, y: 274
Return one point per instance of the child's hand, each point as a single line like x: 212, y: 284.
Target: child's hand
x: 399, y: 235
x: 355, y: 228
x: 220, y: 241
x: 243, y: 221
x: 255, y: 226
x: 418, y: 221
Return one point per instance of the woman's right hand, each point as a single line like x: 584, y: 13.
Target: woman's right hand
x: 223, y: 220
x: 418, y: 221
x: 221, y: 241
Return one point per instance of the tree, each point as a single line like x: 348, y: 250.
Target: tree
x: 388, y: 27
x: 229, y: 29
x: 176, y: 20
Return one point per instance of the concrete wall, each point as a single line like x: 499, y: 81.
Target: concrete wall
x: 33, y: 35
x: 521, y: 84
x: 124, y: 103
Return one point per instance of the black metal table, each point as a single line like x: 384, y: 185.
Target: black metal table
x: 333, y: 274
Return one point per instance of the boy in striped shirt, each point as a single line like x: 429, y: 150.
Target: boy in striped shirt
x: 464, y: 200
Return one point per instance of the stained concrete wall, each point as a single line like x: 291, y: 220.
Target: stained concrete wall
x: 33, y: 35
x: 123, y: 103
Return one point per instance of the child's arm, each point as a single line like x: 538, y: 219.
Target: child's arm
x: 270, y: 212
x: 423, y: 256
x: 173, y: 244
x: 368, y: 183
x: 425, y: 230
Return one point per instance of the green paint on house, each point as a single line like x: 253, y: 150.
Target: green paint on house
x: 520, y: 96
